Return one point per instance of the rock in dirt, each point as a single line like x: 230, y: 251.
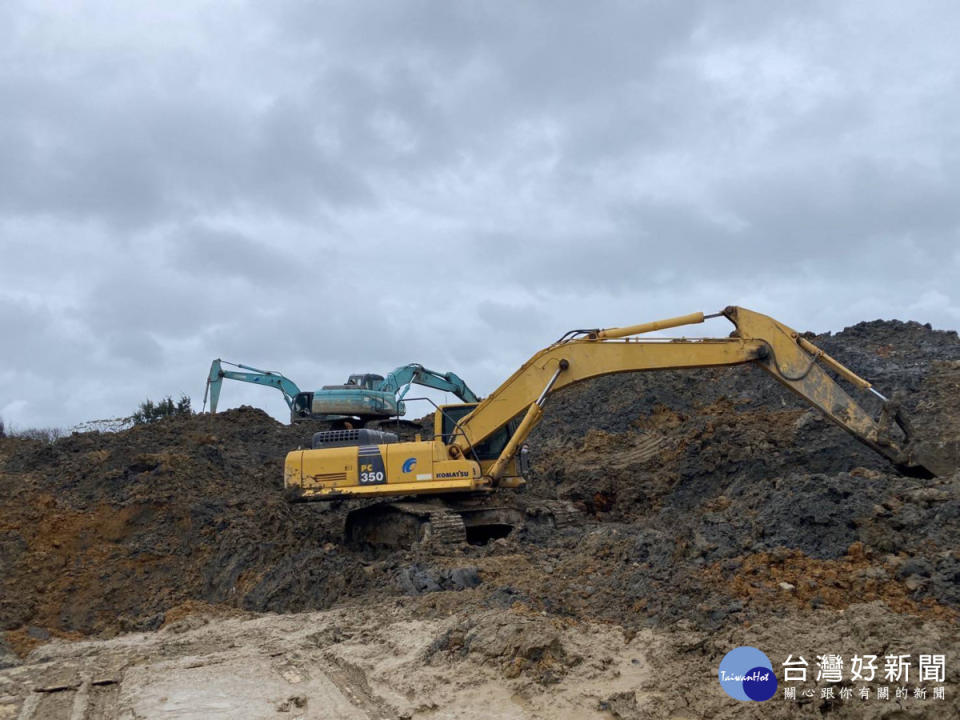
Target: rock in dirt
x: 417, y: 579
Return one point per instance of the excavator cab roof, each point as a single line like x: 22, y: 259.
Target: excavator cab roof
x: 368, y: 381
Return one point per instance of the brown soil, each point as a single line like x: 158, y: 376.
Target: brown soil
x: 788, y: 578
x: 713, y: 506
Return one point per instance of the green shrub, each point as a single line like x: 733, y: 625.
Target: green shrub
x: 150, y: 411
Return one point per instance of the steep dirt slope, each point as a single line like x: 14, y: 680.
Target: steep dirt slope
x: 105, y: 532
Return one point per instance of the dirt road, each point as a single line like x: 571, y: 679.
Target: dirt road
x: 376, y: 663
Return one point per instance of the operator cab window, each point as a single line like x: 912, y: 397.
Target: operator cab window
x: 490, y: 448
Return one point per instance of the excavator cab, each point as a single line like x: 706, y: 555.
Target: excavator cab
x: 446, y: 420
x: 367, y: 381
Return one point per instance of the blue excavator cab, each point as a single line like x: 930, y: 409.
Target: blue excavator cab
x: 368, y: 381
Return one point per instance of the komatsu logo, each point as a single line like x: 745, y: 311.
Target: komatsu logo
x: 457, y: 474
x: 409, y: 464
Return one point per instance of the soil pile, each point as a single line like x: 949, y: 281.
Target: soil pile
x: 710, y: 502
x: 104, y: 532
x: 714, y: 487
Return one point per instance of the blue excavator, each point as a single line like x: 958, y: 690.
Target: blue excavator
x: 364, y: 399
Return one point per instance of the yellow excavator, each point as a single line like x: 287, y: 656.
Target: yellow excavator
x: 479, y: 447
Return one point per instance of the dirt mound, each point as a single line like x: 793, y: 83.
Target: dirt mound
x: 102, y: 532
x: 708, y: 500
x: 706, y: 473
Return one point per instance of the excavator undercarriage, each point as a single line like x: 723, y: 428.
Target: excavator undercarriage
x: 437, y: 523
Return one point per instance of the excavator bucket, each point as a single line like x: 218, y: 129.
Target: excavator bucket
x: 803, y: 368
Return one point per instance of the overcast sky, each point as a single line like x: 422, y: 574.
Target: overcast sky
x: 325, y: 188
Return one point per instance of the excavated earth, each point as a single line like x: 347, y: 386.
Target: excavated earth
x: 141, y: 571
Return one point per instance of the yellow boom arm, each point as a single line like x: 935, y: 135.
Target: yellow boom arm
x: 758, y: 339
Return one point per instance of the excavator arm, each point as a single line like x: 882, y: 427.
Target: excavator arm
x: 419, y: 375
x: 779, y: 350
x: 253, y: 375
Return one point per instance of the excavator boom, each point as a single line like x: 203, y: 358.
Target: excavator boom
x: 404, y: 376
x: 251, y: 375
x: 758, y: 339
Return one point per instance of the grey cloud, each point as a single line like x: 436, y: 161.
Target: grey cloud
x: 544, y: 48
x: 849, y: 203
x: 133, y: 159
x: 136, y: 347
x: 317, y: 328
x: 31, y: 338
x: 321, y: 188
x: 142, y: 298
x: 505, y: 319
x: 211, y: 254
x: 502, y: 66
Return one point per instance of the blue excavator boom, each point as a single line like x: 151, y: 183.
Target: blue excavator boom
x: 252, y: 375
x: 405, y: 375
